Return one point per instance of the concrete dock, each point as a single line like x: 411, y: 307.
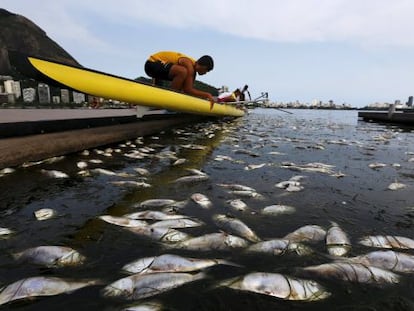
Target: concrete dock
x: 36, y: 134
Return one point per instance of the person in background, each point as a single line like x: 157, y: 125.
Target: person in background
x: 242, y: 95
x: 181, y: 70
x: 227, y: 97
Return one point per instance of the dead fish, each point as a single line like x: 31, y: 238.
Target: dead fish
x: 278, y: 209
x: 51, y: 256
x: 151, y: 203
x: 145, y: 306
x: 235, y: 226
x: 290, y: 186
x: 387, y: 241
x: 171, y: 263
x: 179, y: 161
x: 103, y: 171
x: 191, y: 179
x: 153, y: 215
x: 7, y: 170
x: 130, y: 183
x: 82, y: 165
x: 337, y: 241
x: 142, y: 171
x: 45, y: 213
x: 254, y: 166
x: 96, y: 161
x: 238, y: 205
x: 5, y: 231
x: 278, y: 285
x: 139, y: 286
x: 212, y: 241
x: 41, y: 286
x: 247, y: 194
x: 307, y: 233
x: 54, y: 173
x: 167, y: 235
x: 376, y: 165
x: 237, y: 187
x: 353, y: 272
x: 396, y: 186
x: 202, y: 200
x: 177, y: 223
x: 123, y: 221
x: 278, y: 247
x: 388, y: 260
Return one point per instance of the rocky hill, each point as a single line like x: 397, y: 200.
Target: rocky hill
x: 20, y: 34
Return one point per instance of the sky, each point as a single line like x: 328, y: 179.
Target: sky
x: 356, y: 52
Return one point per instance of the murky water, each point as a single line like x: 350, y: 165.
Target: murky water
x: 359, y: 202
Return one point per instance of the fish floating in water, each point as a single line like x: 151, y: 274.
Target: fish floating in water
x: 278, y: 247
x: 152, y: 203
x: 45, y: 213
x: 387, y: 241
x: 5, y: 232
x: 308, y: 233
x: 51, y: 256
x: 235, y: 226
x: 337, y: 241
x: 153, y: 215
x: 202, y: 200
x: 278, y: 285
x: 54, y: 173
x: 166, y: 235
x: 278, y: 209
x: 41, y: 286
x: 396, y: 186
x: 212, y: 241
x: 123, y: 221
x: 145, y: 306
x: 389, y: 260
x: 139, y: 286
x: 172, y: 263
x: 353, y: 272
x: 238, y: 205
x: 177, y: 223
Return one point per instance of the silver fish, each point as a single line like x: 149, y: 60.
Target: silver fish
x: 254, y: 166
x: 337, y: 241
x: 307, y: 233
x: 235, y: 226
x: 387, y: 241
x: 123, y: 221
x: 278, y: 209
x: 212, y: 241
x: 177, y: 223
x: 247, y: 194
x: 389, y: 260
x: 396, y: 186
x: 54, y: 173
x: 103, y: 171
x: 171, y: 263
x: 142, y: 171
x: 5, y: 231
x: 279, y: 285
x: 238, y: 205
x: 353, y: 272
x: 139, y: 286
x: 179, y: 161
x: 41, y: 286
x: 151, y: 203
x: 191, y: 178
x: 202, y: 200
x: 51, y: 256
x: 145, y: 306
x: 45, y: 213
x: 153, y: 215
x: 237, y: 187
x: 278, y: 247
x: 82, y: 165
x: 131, y: 183
x: 160, y: 234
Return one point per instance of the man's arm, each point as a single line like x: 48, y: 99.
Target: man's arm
x: 188, y: 86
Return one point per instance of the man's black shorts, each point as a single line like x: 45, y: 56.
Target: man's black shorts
x: 158, y: 70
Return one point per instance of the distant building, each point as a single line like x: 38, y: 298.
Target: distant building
x: 7, y: 98
x: 29, y: 95
x: 13, y: 87
x: 44, y: 93
x: 56, y: 99
x: 64, y: 95
x: 78, y: 98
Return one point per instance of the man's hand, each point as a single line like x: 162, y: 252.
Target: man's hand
x: 211, y: 99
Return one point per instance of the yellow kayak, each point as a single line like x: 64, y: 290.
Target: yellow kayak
x: 117, y: 88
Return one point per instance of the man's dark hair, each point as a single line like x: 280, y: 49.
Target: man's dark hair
x: 206, y: 61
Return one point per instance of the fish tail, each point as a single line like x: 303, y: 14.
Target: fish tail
x: 228, y: 263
